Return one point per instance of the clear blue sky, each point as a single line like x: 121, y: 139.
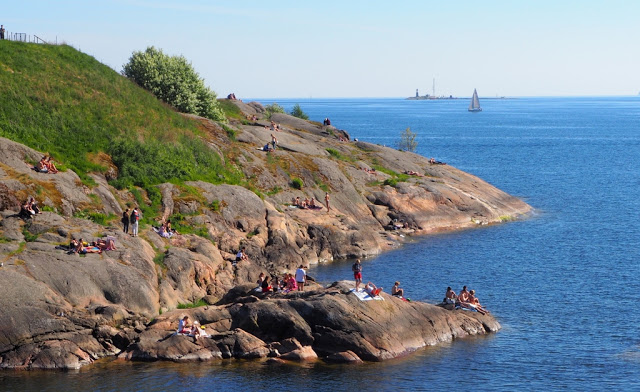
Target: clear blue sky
x: 374, y: 48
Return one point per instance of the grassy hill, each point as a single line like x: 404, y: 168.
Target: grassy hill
x: 58, y: 100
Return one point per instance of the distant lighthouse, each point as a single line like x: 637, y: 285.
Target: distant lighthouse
x: 417, y: 93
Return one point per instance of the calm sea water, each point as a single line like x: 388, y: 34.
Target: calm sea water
x: 564, y: 283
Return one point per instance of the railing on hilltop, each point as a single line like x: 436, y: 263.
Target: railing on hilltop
x: 24, y: 37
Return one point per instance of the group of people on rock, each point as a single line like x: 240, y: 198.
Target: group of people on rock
x: 306, y: 203
x: 288, y: 283
x: 465, y: 300
x: 195, y: 330
x: 368, y: 170
x: 310, y: 203
x: 46, y: 165
x: 371, y: 288
x: 81, y: 247
x: 29, y: 208
x: 131, y: 220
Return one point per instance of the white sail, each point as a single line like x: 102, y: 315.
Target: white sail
x: 474, y: 106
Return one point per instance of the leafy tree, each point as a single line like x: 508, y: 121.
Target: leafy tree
x: 408, y: 141
x: 297, y: 112
x: 273, y: 108
x: 173, y: 80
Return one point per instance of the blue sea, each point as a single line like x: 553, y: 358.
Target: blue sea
x: 563, y: 283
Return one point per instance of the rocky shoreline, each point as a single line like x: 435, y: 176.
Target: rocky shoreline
x: 62, y: 310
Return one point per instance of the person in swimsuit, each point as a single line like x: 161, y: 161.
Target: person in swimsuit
x: 396, y: 290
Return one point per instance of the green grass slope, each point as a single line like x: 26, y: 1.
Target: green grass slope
x: 58, y: 100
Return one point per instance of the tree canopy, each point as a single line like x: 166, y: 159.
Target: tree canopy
x: 173, y: 80
x: 298, y: 112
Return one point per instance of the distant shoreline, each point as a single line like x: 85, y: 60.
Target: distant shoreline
x: 424, y: 98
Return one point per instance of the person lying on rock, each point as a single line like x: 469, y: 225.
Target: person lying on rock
x: 372, y: 290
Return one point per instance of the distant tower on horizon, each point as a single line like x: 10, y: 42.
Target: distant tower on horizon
x: 433, y: 92
x: 417, y: 93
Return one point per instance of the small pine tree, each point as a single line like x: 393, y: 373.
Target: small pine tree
x: 408, y: 141
x: 297, y: 112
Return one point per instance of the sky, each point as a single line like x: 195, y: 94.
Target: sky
x: 352, y: 48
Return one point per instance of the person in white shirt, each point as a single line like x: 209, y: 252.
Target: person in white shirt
x: 301, y: 277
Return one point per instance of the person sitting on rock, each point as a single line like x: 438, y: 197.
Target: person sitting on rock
x: 396, y: 291
x: 292, y: 285
x: 450, y: 296
x: 33, y: 204
x: 260, y: 279
x: 183, y: 326
x: 241, y: 255
x: 312, y: 202
x: 73, y: 244
x: 475, y: 303
x: 42, y: 165
x: 51, y: 166
x: 80, y: 249
x: 372, y: 290
x: 266, y: 287
x: 463, y: 297
x: 195, y: 331
x: 275, y: 284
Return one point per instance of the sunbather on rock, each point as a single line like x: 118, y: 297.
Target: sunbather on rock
x: 372, y: 290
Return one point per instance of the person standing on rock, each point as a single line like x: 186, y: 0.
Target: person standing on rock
x: 357, y: 273
x: 134, y: 219
x: 301, y: 277
x: 274, y: 141
x: 125, y: 221
x: 326, y: 200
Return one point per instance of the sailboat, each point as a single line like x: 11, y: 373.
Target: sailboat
x: 474, y: 106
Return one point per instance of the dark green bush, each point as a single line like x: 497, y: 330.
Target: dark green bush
x: 297, y: 183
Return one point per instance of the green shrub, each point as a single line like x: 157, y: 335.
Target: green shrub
x: 231, y: 110
x: 297, y: 112
x: 195, y: 304
x: 274, y: 191
x: 231, y: 133
x: 391, y: 182
x: 215, y: 205
x: 173, y: 80
x: 95, y: 217
x: 297, y: 183
x: 28, y: 237
x: 273, y: 108
x: 159, y: 259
